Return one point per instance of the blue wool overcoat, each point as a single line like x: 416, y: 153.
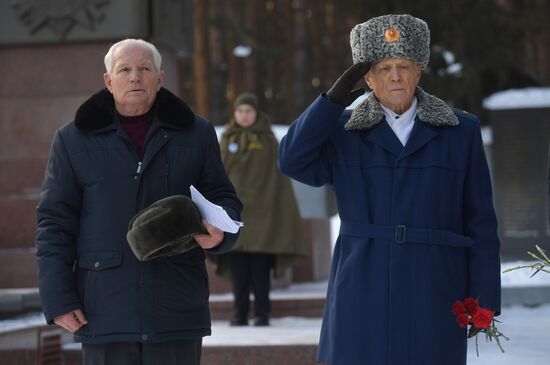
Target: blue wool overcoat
x: 418, y: 229
x: 93, y: 187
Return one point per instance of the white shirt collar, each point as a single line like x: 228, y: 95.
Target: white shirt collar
x: 401, y: 124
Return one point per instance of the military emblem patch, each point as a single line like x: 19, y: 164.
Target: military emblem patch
x: 391, y: 35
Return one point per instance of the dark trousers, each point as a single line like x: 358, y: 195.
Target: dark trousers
x: 178, y: 352
x: 251, y: 271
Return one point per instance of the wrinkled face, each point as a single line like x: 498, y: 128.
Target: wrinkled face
x: 393, y: 81
x: 134, y: 80
x: 245, y: 115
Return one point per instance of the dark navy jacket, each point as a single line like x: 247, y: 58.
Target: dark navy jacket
x: 418, y: 231
x: 92, y: 189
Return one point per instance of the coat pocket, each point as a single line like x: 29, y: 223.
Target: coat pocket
x: 181, y: 292
x: 94, y: 272
x: 98, y: 261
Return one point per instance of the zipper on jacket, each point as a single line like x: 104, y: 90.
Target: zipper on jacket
x: 139, y: 167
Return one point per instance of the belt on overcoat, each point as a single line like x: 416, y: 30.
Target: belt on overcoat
x: 403, y: 234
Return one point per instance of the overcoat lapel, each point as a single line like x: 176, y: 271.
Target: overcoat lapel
x: 420, y: 136
x: 383, y: 135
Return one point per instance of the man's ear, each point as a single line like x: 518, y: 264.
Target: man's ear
x: 367, y: 77
x: 107, y: 81
x: 160, y: 79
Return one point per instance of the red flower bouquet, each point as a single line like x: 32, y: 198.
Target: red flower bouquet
x: 480, y: 320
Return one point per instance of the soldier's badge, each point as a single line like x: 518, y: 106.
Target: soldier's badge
x: 391, y: 35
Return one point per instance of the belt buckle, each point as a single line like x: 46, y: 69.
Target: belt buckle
x: 400, y: 233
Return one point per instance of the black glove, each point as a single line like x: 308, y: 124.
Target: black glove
x: 342, y: 91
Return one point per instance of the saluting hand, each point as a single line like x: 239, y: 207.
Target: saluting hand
x: 342, y: 92
x: 210, y: 240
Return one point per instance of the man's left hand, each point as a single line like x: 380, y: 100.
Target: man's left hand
x: 342, y: 92
x: 210, y: 240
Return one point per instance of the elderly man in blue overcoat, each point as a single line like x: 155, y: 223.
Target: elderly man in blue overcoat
x: 418, y: 228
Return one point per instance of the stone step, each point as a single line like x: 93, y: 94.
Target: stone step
x: 218, y: 355
x: 288, y: 354
x: 299, y: 300
x: 290, y: 341
x: 303, y: 307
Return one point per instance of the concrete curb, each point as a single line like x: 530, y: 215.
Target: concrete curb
x: 19, y: 301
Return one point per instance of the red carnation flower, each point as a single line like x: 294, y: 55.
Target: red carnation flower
x: 472, y: 305
x: 458, y: 308
x: 480, y: 320
x: 483, y: 318
x: 462, y: 319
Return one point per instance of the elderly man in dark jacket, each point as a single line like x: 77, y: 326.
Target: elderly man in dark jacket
x: 414, y: 196
x: 129, y: 145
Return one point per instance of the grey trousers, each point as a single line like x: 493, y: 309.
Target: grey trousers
x: 178, y: 352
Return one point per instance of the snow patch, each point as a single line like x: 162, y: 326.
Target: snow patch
x: 527, y: 98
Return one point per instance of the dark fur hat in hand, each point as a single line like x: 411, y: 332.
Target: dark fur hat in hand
x: 165, y: 228
x: 391, y: 36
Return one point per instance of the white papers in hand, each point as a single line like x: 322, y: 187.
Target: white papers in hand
x: 214, y: 214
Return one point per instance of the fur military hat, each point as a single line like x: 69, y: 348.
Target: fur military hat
x: 165, y: 228
x: 391, y: 36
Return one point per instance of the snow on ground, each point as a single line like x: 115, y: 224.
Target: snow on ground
x: 529, y: 333
x: 530, y: 97
x: 528, y: 329
x: 282, y: 331
x: 279, y: 130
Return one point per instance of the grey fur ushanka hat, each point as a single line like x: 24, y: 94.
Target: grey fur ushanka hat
x: 165, y: 228
x: 391, y: 36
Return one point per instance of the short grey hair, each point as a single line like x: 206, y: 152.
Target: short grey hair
x: 157, y: 59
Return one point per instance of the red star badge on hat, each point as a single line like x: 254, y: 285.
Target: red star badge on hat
x: 391, y: 35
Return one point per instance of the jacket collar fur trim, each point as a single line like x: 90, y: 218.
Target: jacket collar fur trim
x: 431, y: 110
x: 98, y: 111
